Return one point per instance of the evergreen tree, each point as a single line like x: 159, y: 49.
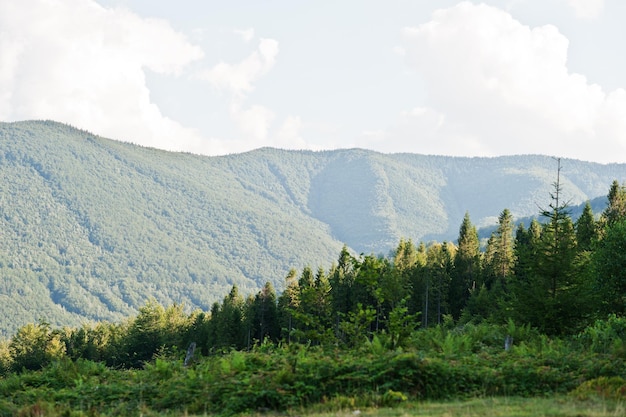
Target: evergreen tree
x: 616, y: 207
x: 323, y: 300
x: 439, y: 266
x: 417, y: 281
x: 552, y: 297
x: 155, y: 328
x: 229, y: 322
x: 396, y: 282
x: 557, y: 253
x: 405, y: 255
x: 488, y: 269
x: 288, y: 302
x: 526, y: 248
x: 264, y: 315
x: 342, y: 277
x: 367, y: 288
x: 504, y: 257
x: 586, y: 229
x: 314, y: 310
x: 609, y: 266
x: 466, y: 267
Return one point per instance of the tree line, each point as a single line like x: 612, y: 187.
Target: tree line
x: 557, y: 275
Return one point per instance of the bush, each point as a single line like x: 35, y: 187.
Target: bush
x: 606, y: 336
x: 608, y: 388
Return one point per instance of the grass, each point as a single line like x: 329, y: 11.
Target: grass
x: 485, y: 407
x: 561, y: 406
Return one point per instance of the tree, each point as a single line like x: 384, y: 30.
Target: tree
x: 34, y: 346
x: 616, y: 207
x: 526, y: 248
x: 155, y: 328
x: 417, y: 281
x: 263, y: 315
x: 288, y: 302
x: 609, y: 266
x: 586, y: 229
x: 400, y: 324
x: 528, y: 289
x: 314, y: 311
x: 229, y: 320
x: 342, y: 277
x: 466, y: 267
x: 551, y: 297
x: 405, y: 255
x: 145, y: 333
x: 439, y: 266
x: 504, y: 257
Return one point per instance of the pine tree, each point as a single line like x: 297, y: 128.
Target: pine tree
x: 558, y: 240
x: 586, y: 229
x: 342, y: 277
x: 417, y: 281
x: 466, y: 267
x: 405, y: 255
x: 499, y: 259
x: 439, y: 266
x: 609, y: 266
x: 229, y: 321
x: 288, y: 302
x: 504, y: 258
x: 264, y: 315
x: 552, y: 296
x: 616, y: 207
x: 526, y: 247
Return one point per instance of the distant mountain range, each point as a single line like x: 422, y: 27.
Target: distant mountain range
x: 91, y: 228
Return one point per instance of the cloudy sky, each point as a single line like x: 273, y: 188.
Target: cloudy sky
x: 425, y: 76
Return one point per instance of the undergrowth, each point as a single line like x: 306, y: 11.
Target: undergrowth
x: 438, y: 364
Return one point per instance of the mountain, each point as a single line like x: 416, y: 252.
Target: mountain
x: 91, y: 228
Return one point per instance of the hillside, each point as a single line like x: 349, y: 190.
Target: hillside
x: 90, y: 228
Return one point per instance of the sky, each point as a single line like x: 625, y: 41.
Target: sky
x: 462, y: 78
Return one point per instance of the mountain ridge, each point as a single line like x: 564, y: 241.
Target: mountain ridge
x: 92, y: 228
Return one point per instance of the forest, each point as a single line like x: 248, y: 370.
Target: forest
x: 91, y: 228
x: 538, y: 311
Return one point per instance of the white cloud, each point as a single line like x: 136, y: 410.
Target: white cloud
x: 254, y: 122
x: 587, y: 9
x: 496, y: 87
x: 77, y: 62
x: 238, y: 78
x: 289, y: 136
x: 246, y: 34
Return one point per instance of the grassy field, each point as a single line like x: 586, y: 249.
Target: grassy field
x: 487, y: 407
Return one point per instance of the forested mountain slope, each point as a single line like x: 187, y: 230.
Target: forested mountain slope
x: 90, y: 228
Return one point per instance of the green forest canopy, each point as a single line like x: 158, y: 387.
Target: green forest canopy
x: 93, y: 228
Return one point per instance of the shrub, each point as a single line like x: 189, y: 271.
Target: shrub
x: 608, y: 388
x: 606, y: 336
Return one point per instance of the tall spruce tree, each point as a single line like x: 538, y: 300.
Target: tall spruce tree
x: 500, y: 255
x: 466, y: 267
x: 229, y: 329
x: 498, y: 268
x: 616, y: 207
x: 586, y: 229
x: 526, y: 247
x: 558, y: 240
x: 288, y: 302
x: 263, y: 315
x: 341, y: 280
x: 552, y: 298
x: 609, y: 267
x: 439, y: 266
x: 418, y: 282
